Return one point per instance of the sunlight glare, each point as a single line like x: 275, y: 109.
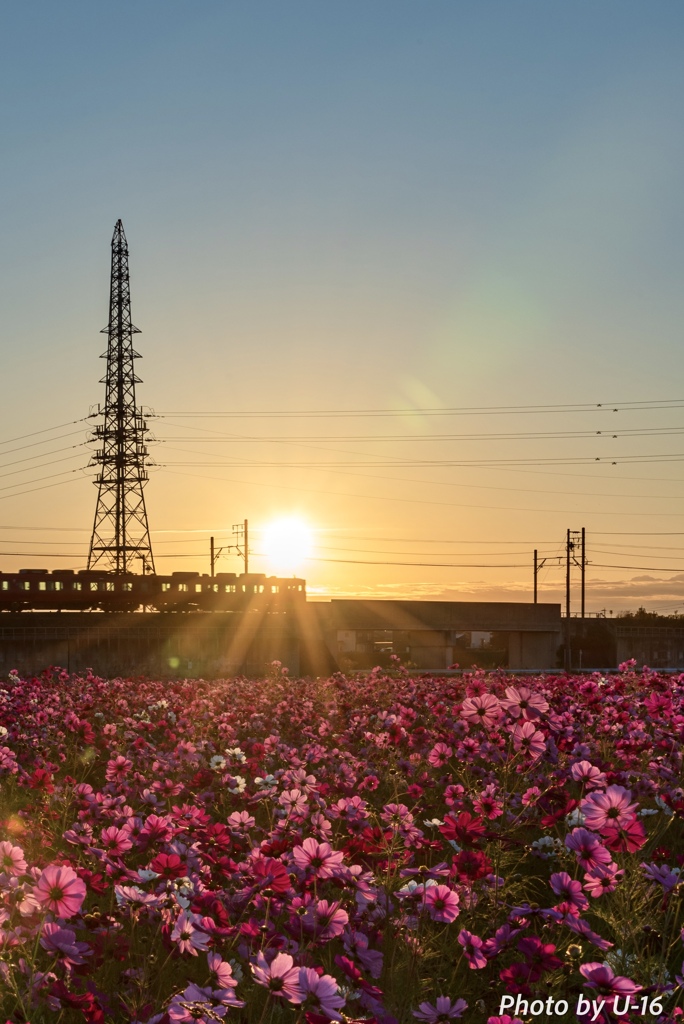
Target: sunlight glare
x: 287, y: 543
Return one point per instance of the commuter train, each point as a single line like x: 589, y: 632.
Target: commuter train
x: 90, y: 590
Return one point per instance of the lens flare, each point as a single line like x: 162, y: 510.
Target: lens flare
x: 287, y: 543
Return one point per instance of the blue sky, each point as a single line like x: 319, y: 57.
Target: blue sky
x: 353, y: 205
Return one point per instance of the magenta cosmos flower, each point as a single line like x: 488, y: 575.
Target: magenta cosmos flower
x: 60, y: 890
x: 318, y: 858
x: 280, y: 977
x: 601, y: 978
x: 442, y: 1010
x: 610, y: 808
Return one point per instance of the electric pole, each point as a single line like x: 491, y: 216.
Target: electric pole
x: 241, y: 530
x: 568, y: 549
x: 584, y: 562
x: 121, y: 533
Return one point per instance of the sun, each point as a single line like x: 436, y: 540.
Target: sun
x: 287, y: 543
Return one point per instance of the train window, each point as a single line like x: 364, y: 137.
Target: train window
x: 165, y: 587
x: 58, y: 585
x: 274, y: 589
x: 26, y: 585
x: 77, y: 585
x: 42, y: 585
x: 127, y: 586
x: 299, y: 587
x: 183, y: 587
x: 93, y: 585
x: 214, y: 587
x: 5, y: 584
x: 109, y: 586
x: 244, y: 588
x: 198, y: 588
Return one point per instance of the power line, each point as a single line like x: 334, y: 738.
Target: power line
x: 501, y: 436
x: 48, y: 430
x: 412, y: 501
x: 673, y: 403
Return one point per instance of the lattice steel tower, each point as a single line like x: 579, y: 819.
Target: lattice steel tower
x: 121, y: 536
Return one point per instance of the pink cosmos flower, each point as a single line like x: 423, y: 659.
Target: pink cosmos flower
x: 241, y: 819
x: 588, y: 849
x: 483, y: 710
x: 521, y: 701
x: 321, y: 992
x: 221, y: 971
x: 187, y: 935
x: 528, y: 739
x: 280, y: 977
x: 133, y: 896
x: 327, y: 920
x: 118, y: 768
x: 439, y: 755
x: 589, y: 774
x: 610, y: 808
x: 603, y: 878
x: 472, y: 948
x: 441, y: 902
x: 12, y: 859
x: 115, y: 840
x: 317, y: 858
x: 294, y: 801
x: 60, y: 890
x: 442, y: 1010
x: 571, y: 891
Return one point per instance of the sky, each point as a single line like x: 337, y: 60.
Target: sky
x: 362, y: 237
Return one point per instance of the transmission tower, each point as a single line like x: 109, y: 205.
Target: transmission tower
x: 121, y: 535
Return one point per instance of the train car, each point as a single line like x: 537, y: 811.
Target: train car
x: 93, y: 590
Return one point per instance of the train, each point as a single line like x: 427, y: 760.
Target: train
x: 92, y: 590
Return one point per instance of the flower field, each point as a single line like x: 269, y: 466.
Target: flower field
x: 378, y: 847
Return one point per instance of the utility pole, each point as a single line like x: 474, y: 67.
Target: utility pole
x: 584, y: 562
x: 536, y: 570
x: 121, y: 533
x: 568, y: 548
x: 242, y: 530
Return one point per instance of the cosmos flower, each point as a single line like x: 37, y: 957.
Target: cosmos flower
x: 280, y: 977
x: 441, y: 1010
x: 610, y: 808
x: 60, y: 890
x: 317, y: 858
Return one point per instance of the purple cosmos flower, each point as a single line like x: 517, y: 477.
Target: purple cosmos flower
x: 570, y: 891
x: 442, y: 1010
x: 472, y: 948
x: 321, y: 992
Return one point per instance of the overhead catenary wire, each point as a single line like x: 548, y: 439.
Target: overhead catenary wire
x: 488, y: 410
